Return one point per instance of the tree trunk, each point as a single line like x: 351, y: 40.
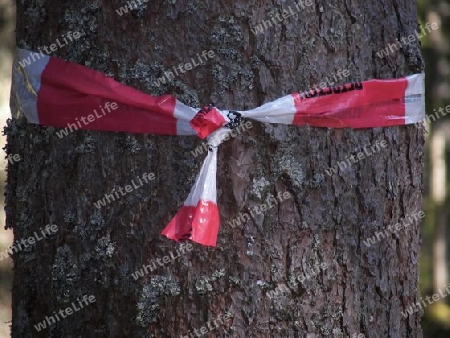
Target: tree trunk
x: 345, y: 287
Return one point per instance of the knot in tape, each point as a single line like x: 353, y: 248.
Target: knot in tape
x: 219, y: 136
x: 235, y: 120
x: 207, y: 120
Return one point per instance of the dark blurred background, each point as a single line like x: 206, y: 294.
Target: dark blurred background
x: 7, y: 44
x: 435, y: 249
x: 435, y: 252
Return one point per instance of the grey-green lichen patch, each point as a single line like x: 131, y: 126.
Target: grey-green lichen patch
x: 192, y: 6
x: 227, y: 32
x: 35, y: 12
x: 316, y: 242
x: 250, y: 242
x: 337, y: 315
x: 150, y: 297
x: 132, y: 145
x: 147, y: 306
x: 259, y: 186
x: 105, y: 248
x: 218, y: 274
x: 65, y: 270
x: 283, y: 308
x: 263, y: 285
x: 274, y: 268
x: 24, y: 219
x: 44, y: 138
x: 326, y: 331
x: 317, y: 181
x: 203, y: 284
x: 96, y: 220
x: 146, y: 73
x: 187, y: 95
x: 234, y: 280
x: 69, y: 216
x: 172, y: 12
x: 246, y: 78
x: 339, y: 24
x: 223, y: 78
x: 92, y: 6
x: 138, y: 9
x: 227, y: 39
x: 21, y: 194
x: 83, y: 22
x: 97, y: 58
x: 150, y: 145
x: 255, y: 62
x: 228, y: 53
x: 81, y: 231
x: 158, y: 48
x: 156, y: 81
x: 87, y: 146
x: 288, y: 165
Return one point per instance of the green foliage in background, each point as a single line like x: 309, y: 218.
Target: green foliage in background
x: 436, y: 51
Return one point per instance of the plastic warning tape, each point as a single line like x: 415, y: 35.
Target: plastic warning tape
x: 53, y: 92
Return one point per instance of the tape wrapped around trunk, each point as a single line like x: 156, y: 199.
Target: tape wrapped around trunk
x: 53, y: 92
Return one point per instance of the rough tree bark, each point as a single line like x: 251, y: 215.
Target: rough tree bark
x: 361, y: 290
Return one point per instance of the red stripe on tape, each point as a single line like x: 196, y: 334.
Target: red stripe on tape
x: 200, y: 224
x: 366, y: 104
x: 70, y: 91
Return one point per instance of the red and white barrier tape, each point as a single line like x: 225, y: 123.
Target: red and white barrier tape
x: 53, y: 92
